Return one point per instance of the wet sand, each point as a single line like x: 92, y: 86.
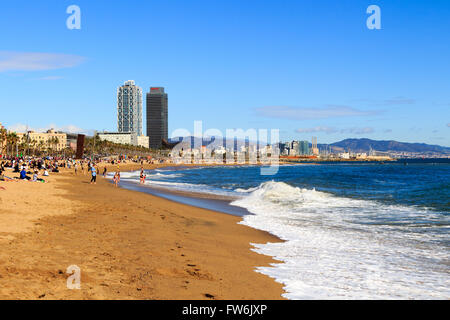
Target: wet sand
x: 128, y: 244
x: 199, y: 200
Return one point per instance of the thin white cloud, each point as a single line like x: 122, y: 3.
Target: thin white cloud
x: 37, y: 61
x: 365, y: 130
x: 440, y: 104
x: 330, y: 130
x: 19, y: 127
x: 307, y: 113
x: 317, y: 129
x: 400, y: 100
x: 48, y: 78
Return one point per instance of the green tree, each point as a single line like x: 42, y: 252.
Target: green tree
x: 3, y: 141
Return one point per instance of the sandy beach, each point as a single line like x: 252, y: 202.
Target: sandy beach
x: 128, y: 245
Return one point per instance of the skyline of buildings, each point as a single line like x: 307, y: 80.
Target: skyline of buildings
x: 130, y: 117
x: 297, y: 148
x: 130, y: 129
x: 129, y: 122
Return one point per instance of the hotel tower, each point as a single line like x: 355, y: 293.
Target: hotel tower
x: 129, y: 108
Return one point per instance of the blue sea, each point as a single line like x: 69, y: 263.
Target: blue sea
x: 351, y: 230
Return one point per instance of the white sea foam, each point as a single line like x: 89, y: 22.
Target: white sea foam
x: 342, y: 248
x: 164, y: 180
x: 136, y: 175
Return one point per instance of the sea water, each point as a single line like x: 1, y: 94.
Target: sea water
x: 351, y: 230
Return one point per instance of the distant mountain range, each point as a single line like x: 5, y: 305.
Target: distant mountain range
x: 354, y: 145
x: 365, y: 145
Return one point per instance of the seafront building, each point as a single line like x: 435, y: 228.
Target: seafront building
x: 125, y: 138
x: 49, y: 139
x: 314, y: 148
x: 129, y: 117
x: 157, y: 117
x: 295, y: 148
x: 129, y: 108
x: 303, y: 148
x: 298, y: 148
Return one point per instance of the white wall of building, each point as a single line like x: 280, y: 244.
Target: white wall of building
x: 125, y: 138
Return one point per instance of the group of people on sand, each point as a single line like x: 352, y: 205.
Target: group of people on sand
x: 93, y: 168
x: 35, y: 169
x: 25, y: 168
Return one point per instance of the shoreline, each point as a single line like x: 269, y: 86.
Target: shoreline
x: 128, y: 245
x: 209, y: 201
x: 193, y: 199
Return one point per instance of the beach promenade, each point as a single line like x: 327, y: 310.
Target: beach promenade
x: 128, y: 245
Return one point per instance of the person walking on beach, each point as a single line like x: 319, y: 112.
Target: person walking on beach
x: 94, y: 175
x: 104, y: 172
x: 75, y: 166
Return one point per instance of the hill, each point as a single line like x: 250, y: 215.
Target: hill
x: 365, y: 145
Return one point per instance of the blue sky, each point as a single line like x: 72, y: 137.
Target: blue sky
x: 304, y: 67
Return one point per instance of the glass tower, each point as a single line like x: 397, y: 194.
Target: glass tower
x: 157, y: 117
x: 129, y: 108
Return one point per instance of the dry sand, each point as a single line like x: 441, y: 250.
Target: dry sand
x: 128, y: 245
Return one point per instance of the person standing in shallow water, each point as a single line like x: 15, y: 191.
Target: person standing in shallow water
x: 116, y: 178
x: 143, y: 176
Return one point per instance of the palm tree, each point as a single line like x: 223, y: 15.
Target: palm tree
x: 53, y: 144
x: 3, y: 142
x: 40, y: 146
x: 56, y: 142
x: 12, y: 140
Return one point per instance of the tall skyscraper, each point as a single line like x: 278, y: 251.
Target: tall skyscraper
x: 303, y: 148
x: 129, y: 108
x: 314, y: 149
x: 157, y: 116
